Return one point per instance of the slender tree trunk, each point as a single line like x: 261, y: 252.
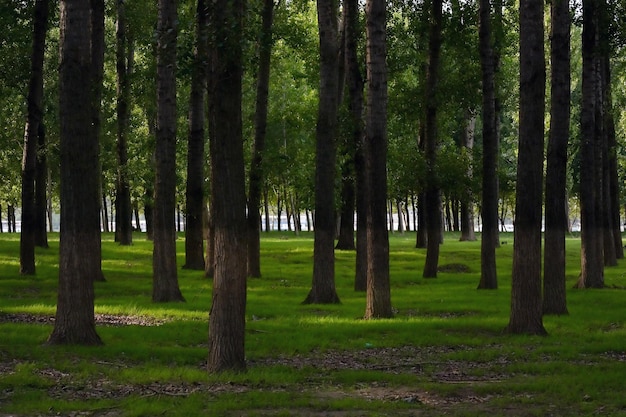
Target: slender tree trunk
x: 80, y: 226
x: 34, y: 120
x: 554, y: 296
x: 433, y: 191
x: 592, y: 269
x: 378, y: 286
x: 323, y: 285
x: 256, y: 179
x: 613, y: 184
x: 489, y: 208
x: 467, y: 206
x: 164, y: 272
x: 228, y: 309
x: 124, y: 61
x: 194, y: 190
x: 526, y: 314
x: 354, y: 82
x: 41, y: 190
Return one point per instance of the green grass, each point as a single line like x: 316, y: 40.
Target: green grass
x: 445, y: 351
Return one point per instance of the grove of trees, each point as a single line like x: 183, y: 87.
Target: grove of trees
x: 228, y: 118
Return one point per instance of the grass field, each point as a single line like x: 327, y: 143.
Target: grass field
x: 444, y: 353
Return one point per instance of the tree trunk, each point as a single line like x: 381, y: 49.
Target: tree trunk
x: 124, y: 60
x: 554, y: 297
x: 489, y: 208
x: 29, y: 159
x: 526, y: 314
x: 433, y: 193
x: 614, y: 184
x: 256, y: 178
x: 592, y: 268
x: 80, y: 200
x: 467, y: 206
x: 164, y: 272
x: 354, y: 82
x: 228, y: 310
x: 323, y: 285
x: 378, y: 287
x: 41, y: 190
x: 194, y: 190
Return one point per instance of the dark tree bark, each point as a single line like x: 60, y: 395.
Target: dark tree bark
x: 79, y: 257
x: 41, y: 190
x: 354, y: 83
x: 34, y: 119
x: 489, y: 207
x: 613, y: 184
x: 165, y: 275
x: 608, y: 149
x: 466, y: 203
x: 124, y: 60
x: 554, y: 297
x: 323, y: 285
x: 526, y: 314
x: 378, y: 287
x: 194, y: 191
x: 433, y: 192
x: 592, y: 268
x: 97, y: 68
x: 260, y: 125
x: 228, y: 310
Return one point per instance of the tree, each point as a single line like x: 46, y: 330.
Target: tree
x: 228, y: 310
x: 354, y: 83
x: 194, y: 190
x: 97, y: 68
x: 165, y: 275
x: 378, y: 287
x: 592, y: 269
x: 467, y: 205
x: 33, y: 130
x: 79, y: 257
x: 433, y: 192
x: 124, y: 61
x: 554, y: 298
x: 323, y: 286
x: 526, y: 314
x: 489, y: 208
x: 260, y: 126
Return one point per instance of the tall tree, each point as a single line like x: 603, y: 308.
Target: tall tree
x: 227, y: 319
x: 124, y: 60
x: 79, y: 257
x: 591, y: 258
x: 378, y: 287
x: 614, y: 184
x: 323, y: 286
x: 433, y: 190
x: 554, y: 298
x: 165, y: 275
x: 194, y: 191
x: 526, y: 314
x: 354, y: 83
x: 260, y: 126
x: 604, y: 115
x: 31, y: 137
x: 489, y: 208
x: 97, y: 74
